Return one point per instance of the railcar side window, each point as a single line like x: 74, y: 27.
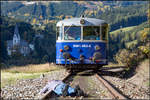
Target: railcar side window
x: 91, y: 32
x: 59, y: 32
x: 72, y: 33
x: 104, y: 32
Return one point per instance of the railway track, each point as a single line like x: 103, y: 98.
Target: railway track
x: 69, y: 78
x: 113, y: 91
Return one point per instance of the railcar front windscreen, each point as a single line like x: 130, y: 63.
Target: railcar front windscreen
x: 91, y: 32
x: 72, y: 33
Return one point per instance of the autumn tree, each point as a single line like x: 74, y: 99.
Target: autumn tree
x: 34, y: 20
x: 127, y: 58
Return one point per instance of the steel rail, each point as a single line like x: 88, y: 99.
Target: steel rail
x: 113, y: 91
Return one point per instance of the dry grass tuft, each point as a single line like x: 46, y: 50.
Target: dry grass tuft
x: 11, y: 75
x: 8, y: 78
x: 32, y: 68
x: 143, y: 67
x: 114, y: 65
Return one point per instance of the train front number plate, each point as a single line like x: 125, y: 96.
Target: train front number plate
x: 84, y: 45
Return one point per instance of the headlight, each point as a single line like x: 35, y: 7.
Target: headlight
x: 66, y: 47
x: 97, y: 47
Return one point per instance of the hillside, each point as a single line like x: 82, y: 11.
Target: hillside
x: 125, y: 29
x: 116, y: 13
x: 130, y: 38
x: 125, y: 16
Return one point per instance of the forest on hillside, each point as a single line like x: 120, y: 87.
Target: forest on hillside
x: 118, y: 16
x: 130, y: 46
x: 116, y: 13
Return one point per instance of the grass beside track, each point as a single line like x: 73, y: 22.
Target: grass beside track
x: 11, y: 75
x: 123, y: 29
x: 32, y: 68
x: 114, y: 65
x: 8, y: 78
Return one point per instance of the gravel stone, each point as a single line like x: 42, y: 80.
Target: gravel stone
x: 30, y: 88
x: 128, y: 88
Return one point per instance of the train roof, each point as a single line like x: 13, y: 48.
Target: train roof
x: 77, y: 22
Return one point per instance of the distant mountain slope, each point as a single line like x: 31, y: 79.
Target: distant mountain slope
x: 125, y: 16
x: 116, y: 13
x: 47, y: 9
x: 125, y: 29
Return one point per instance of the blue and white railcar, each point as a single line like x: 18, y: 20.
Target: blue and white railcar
x: 82, y: 41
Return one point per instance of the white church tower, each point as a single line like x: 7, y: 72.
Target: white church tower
x: 16, y: 37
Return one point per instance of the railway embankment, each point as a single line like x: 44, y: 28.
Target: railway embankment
x: 30, y: 88
x: 135, y: 87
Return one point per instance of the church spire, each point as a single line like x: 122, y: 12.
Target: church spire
x: 16, y: 31
x: 16, y: 37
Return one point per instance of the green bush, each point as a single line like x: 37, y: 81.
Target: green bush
x: 127, y: 58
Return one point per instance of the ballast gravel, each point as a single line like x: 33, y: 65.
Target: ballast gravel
x: 129, y: 89
x: 30, y: 88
